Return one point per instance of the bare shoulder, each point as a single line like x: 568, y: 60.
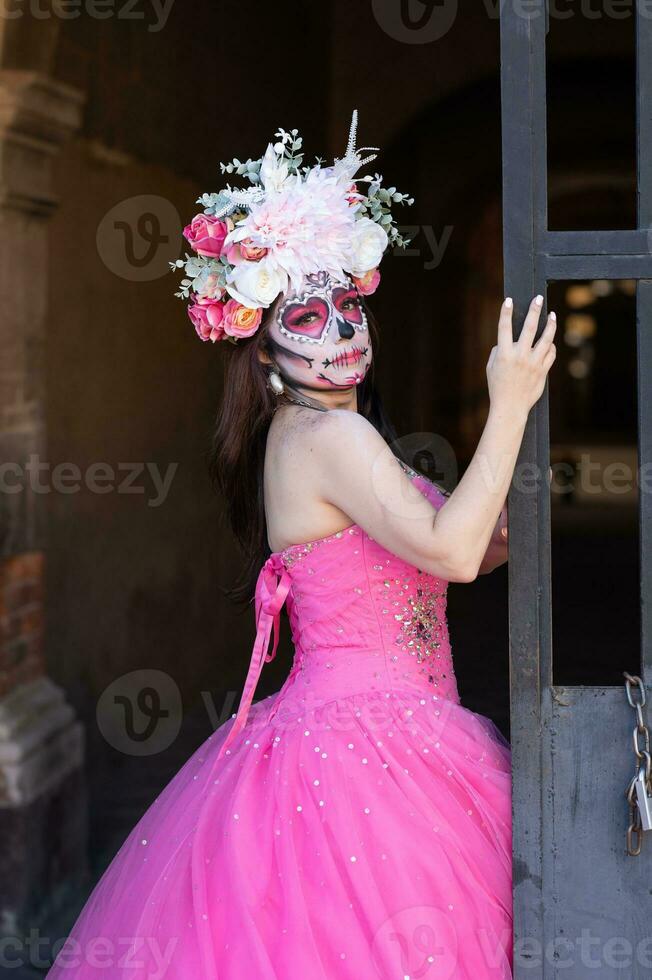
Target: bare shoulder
x: 339, y: 429
x: 326, y: 436
x: 339, y: 437
x: 290, y: 425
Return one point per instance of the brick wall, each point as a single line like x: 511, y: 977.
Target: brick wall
x: 21, y: 619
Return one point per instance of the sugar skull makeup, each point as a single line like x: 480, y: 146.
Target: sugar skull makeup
x: 319, y: 334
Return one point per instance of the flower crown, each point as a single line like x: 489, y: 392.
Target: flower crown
x: 251, y: 244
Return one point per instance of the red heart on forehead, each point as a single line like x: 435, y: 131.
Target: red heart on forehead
x: 307, y: 319
x: 340, y: 296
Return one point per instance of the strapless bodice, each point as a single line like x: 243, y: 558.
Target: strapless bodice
x: 362, y: 620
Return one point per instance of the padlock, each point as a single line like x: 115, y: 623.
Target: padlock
x: 643, y: 798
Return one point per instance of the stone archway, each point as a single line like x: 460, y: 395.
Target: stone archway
x: 42, y: 813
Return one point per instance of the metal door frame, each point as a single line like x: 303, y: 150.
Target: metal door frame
x: 533, y: 255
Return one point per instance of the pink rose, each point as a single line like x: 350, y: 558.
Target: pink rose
x: 240, y: 321
x: 245, y: 251
x: 207, y: 317
x: 233, y: 254
x: 367, y: 284
x: 206, y: 235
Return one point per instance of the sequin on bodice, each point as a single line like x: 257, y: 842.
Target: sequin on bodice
x: 355, y: 606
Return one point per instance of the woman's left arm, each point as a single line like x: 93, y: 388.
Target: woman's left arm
x: 496, y: 553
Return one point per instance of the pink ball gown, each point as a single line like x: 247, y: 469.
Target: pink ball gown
x: 356, y: 824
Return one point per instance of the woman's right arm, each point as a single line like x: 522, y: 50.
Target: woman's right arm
x: 355, y: 470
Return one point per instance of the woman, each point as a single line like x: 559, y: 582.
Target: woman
x: 357, y: 822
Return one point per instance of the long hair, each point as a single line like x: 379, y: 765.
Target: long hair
x: 238, y: 452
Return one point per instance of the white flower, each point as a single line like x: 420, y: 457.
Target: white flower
x: 368, y: 242
x: 273, y: 171
x: 306, y: 226
x: 256, y: 284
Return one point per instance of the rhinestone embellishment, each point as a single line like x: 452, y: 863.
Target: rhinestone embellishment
x: 297, y: 552
x: 420, y: 622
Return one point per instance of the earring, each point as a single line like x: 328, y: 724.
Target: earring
x: 276, y: 382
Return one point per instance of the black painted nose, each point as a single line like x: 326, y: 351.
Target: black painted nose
x: 345, y: 329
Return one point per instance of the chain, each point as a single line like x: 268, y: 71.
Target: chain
x: 639, y: 791
x: 296, y: 399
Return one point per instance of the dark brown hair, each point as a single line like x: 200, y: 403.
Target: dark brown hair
x: 238, y: 452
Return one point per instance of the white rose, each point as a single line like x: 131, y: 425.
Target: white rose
x: 256, y: 284
x: 368, y: 242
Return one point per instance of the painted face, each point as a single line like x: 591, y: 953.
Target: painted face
x: 320, y: 335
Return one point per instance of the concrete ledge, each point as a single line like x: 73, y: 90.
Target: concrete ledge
x: 40, y: 742
x: 43, y: 821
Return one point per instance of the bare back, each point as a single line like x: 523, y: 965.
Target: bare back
x: 295, y: 508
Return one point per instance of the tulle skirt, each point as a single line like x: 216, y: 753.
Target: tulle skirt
x: 370, y: 839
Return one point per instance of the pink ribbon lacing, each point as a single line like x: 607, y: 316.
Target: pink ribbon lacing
x: 272, y: 588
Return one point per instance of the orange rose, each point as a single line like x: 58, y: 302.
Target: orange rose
x: 251, y: 252
x: 239, y: 320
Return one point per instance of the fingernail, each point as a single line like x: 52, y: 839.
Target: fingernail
x: 538, y: 300
x: 508, y: 301
x: 553, y: 316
